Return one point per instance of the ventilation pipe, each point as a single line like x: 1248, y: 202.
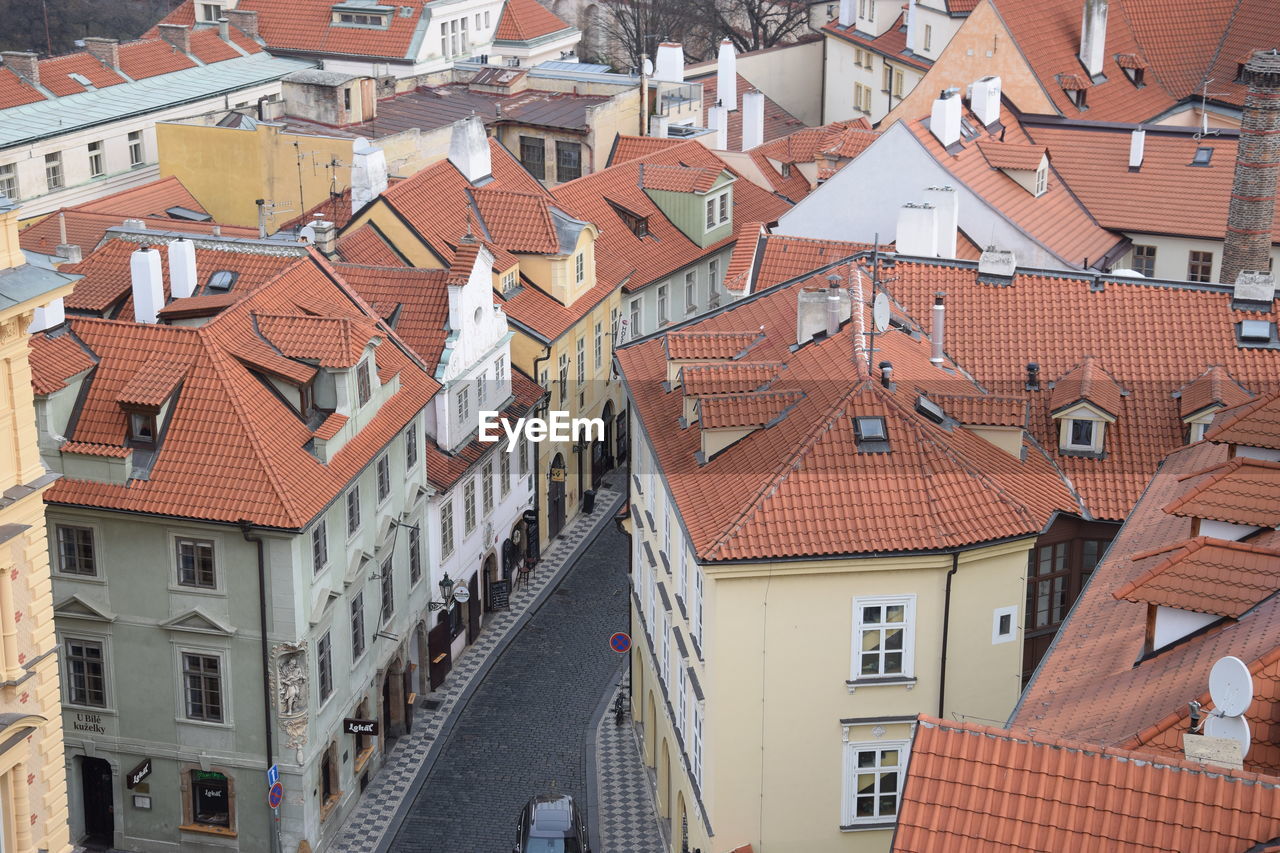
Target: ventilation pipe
x: 833, y: 311
x: 727, y: 75
x: 224, y: 29
x: 752, y: 119
x: 1137, y: 148
x: 944, y: 118
x: 1093, y: 36
x: 182, y: 269
x: 939, y: 327
x: 668, y: 66
x: 148, y: 285
x: 886, y: 374
x: 1033, y: 376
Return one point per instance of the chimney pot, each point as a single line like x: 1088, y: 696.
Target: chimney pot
x: 106, y: 51
x: 224, y: 29
x: 25, y: 65
x: 944, y: 119
x: 939, y: 328
x: 668, y: 65
x: 469, y: 149
x: 727, y: 75
x: 148, y: 285
x: 886, y: 374
x: 752, y: 119
x: 177, y: 35
x: 182, y: 269
x: 1033, y: 376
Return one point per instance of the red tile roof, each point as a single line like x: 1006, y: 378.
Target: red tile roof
x: 1012, y: 155
x: 973, y: 789
x: 55, y: 74
x: 1087, y: 382
x: 1243, y: 491
x: 984, y: 409
x: 1205, y: 575
x: 679, y: 178
x: 1214, y: 387
x: 730, y: 377
x: 782, y: 258
x: 444, y: 469
x: 777, y: 121
x: 153, y: 198
x: 754, y: 409
x: 153, y: 383
x: 328, y: 341
x: 632, y: 147
x: 1255, y: 423
x: 518, y: 222
x: 891, y: 43
x: 419, y: 298
x: 151, y: 58
x: 367, y: 247
x: 55, y: 359
x: 14, y: 91
x: 525, y: 20
x: 698, y: 344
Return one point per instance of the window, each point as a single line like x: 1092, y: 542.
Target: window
x: 711, y: 214
x: 504, y: 473
x: 486, y: 490
x: 633, y: 322
x: 690, y: 292
x: 1042, y: 180
x: 346, y: 99
x: 357, y: 626
x: 582, y: 360
x: 363, y: 391
x: 1082, y: 432
x: 1003, y: 622
x: 477, y: 20
x: 861, y: 99
x: 682, y: 579
x: 446, y: 526
x: 9, y: 181
x: 465, y: 43
x: 415, y: 556
x: 320, y: 546
x: 568, y: 160
x: 75, y: 551
x: 883, y: 637
x: 564, y: 376
x: 695, y: 746
x: 388, y: 590
x: 482, y: 388
x: 928, y: 37
x: 508, y: 282
x: 887, y: 83
x: 324, y: 667
x: 1144, y: 260
x: 328, y: 780
x: 695, y: 609
x: 713, y: 273
x: 723, y: 203
x: 383, y: 467
x: 598, y: 345
x: 486, y: 20
x: 410, y: 447
x: 195, y: 564
x: 97, y: 168
x: 210, y: 798
x: 86, y: 673
x: 500, y: 370
x: 679, y: 709
x: 1202, y: 157
x: 136, y: 154
x: 1200, y: 266
x: 353, y: 510
x: 202, y: 682
x: 872, y: 777
x: 210, y: 11
x: 1091, y: 551
x: 664, y: 642
x: 579, y: 268
x: 533, y: 156
x: 662, y: 304
x: 469, y: 506
x: 53, y: 171
x: 1047, y: 588
x: 464, y: 405
x: 523, y: 451
x: 142, y: 428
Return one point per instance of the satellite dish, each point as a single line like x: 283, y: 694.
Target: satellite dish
x: 648, y: 67
x: 461, y: 594
x: 1232, y: 728
x: 1231, y: 686
x: 880, y: 311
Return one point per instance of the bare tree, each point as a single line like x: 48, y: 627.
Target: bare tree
x: 757, y: 24
x: 634, y: 27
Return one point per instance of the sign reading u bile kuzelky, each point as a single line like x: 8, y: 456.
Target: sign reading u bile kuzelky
x: 360, y: 727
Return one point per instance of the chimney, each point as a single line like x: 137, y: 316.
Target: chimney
x: 369, y: 173
x: 1253, y: 290
x: 819, y: 312
x: 326, y: 236
x: 48, y: 316
x: 944, y: 119
x: 718, y: 119
x: 986, y: 100
x: 25, y: 65
x: 177, y: 35
x: 669, y: 64
x: 999, y: 263
x: 833, y: 311
x: 182, y: 269
x: 1033, y: 376
x: 947, y: 219
x: 727, y: 76
x: 911, y: 25
x: 1251, y: 214
x: 917, y: 230
x: 1093, y: 36
x: 244, y: 20
x: 224, y: 29
x: 939, y: 327
x: 752, y: 119
x: 659, y: 126
x: 70, y: 254
x: 1137, y: 147
x: 846, y: 13
x: 106, y: 51
x: 148, y: 285
x: 886, y: 374
x: 469, y: 149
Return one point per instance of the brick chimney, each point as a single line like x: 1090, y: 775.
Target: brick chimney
x: 1253, y: 192
x: 106, y: 51
x: 244, y: 20
x: 177, y: 35
x: 25, y: 65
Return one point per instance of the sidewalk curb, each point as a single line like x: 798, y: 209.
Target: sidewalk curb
x: 589, y: 759
x: 446, y: 728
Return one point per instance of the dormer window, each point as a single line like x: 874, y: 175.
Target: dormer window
x: 579, y: 268
x: 1133, y: 66
x: 210, y: 11
x: 1042, y: 180
x: 142, y: 428
x: 1081, y: 434
x: 360, y: 19
x: 717, y: 210
x: 363, y: 389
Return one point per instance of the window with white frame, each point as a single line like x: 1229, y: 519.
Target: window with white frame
x: 53, y: 171
x: 469, y: 506
x: 690, y: 292
x: 383, y: 470
x: 410, y: 446
x: 211, y: 11
x: 695, y: 745
x: 9, y: 181
x: 522, y: 450
x: 364, y: 390
x: 500, y: 370
x: 599, y: 345
x: 695, y: 609
x: 579, y: 268
x: 663, y: 641
x: 582, y: 360
x: 883, y: 637
x: 1004, y: 625
x: 75, y: 551
x: 482, y: 388
x: 1042, y: 180
x: 320, y: 546
x: 446, y: 526
x: 464, y: 405
x: 97, y: 165
x: 195, y: 563
x: 1082, y: 433
x: 713, y: 272
x: 649, y: 599
x: 633, y: 312
x: 683, y: 578
x: 872, y: 782
x: 678, y: 702
x: 353, y: 510
x: 137, y: 156
x: 504, y: 474
x: 486, y: 487
x: 415, y: 555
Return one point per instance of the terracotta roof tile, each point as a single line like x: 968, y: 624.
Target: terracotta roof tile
x: 984, y: 409
x: 633, y: 147
x: 56, y: 359
x: 519, y: 222
x: 784, y: 257
x: 1012, y: 155
x: 729, y: 378
x: 153, y: 198
x: 86, y: 449
x: 755, y: 409
x: 330, y: 426
x: 87, y: 230
x: 525, y: 20
x: 54, y: 74
x: 331, y: 341
x: 1214, y: 387
x: 208, y: 47
x: 1255, y: 423
x: 708, y: 344
x: 151, y: 58
x: 154, y: 382
x: 421, y: 299
x: 367, y: 247
x: 971, y: 789
x: 1243, y: 491
x: 1206, y: 576
x: 892, y: 42
x: 680, y: 179
x: 1089, y: 383
x: 14, y: 91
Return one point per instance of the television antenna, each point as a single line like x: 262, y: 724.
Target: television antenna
x: 1204, y: 111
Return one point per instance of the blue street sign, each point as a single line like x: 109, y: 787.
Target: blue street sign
x: 275, y: 795
x: 620, y: 643
x: 273, y: 774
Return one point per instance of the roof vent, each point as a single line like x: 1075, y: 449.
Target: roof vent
x: 222, y: 280
x: 930, y: 410
x: 886, y: 374
x: 1033, y: 376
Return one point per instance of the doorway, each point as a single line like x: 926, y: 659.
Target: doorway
x: 99, y: 801
x: 438, y: 641
x: 602, y: 450
x: 474, y: 607
x: 555, y: 497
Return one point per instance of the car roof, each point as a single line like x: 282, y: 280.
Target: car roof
x: 550, y: 816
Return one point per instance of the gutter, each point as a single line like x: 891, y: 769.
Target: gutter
x: 273, y: 829
x: 946, y: 621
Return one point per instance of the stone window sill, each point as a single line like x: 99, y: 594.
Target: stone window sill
x: 853, y: 685
x: 866, y: 827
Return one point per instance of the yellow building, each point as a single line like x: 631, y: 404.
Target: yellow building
x: 820, y: 552
x: 33, y: 788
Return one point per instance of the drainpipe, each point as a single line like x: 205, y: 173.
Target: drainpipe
x: 245, y: 528
x: 946, y: 621
x: 537, y: 479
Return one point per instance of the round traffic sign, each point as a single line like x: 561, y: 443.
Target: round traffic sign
x: 275, y: 794
x: 620, y: 643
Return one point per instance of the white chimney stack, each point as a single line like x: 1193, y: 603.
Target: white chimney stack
x: 947, y: 219
x: 469, y: 149
x: 224, y: 29
x: 752, y: 119
x: 727, y: 75
x: 939, y: 327
x: 659, y: 126
x: 1137, y: 148
x: 369, y: 173
x: 917, y: 230
x: 326, y: 234
x: 986, y: 100
x: 944, y: 119
x: 669, y: 64
x: 911, y: 25
x: 148, y: 285
x: 1093, y: 36
x: 47, y: 316
x: 182, y: 269
x: 718, y: 119
x: 846, y: 13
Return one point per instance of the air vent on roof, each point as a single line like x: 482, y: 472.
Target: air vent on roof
x: 930, y: 409
x: 406, y: 11
x: 223, y: 279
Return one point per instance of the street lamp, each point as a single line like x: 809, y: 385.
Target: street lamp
x: 449, y: 595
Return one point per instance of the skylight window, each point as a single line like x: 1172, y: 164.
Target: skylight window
x: 930, y: 409
x: 1202, y: 156
x: 870, y: 434
x: 222, y: 280
x: 1256, y: 332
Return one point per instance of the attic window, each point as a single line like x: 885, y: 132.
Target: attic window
x: 1202, y: 156
x: 363, y: 391
x: 1135, y: 76
x: 1080, y: 434
x: 870, y: 434
x: 142, y: 428
x: 358, y: 19
x: 222, y: 280
x: 786, y: 170
x: 967, y: 130
x: 1042, y: 180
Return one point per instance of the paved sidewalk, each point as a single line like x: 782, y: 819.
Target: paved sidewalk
x: 366, y: 828
x: 624, y: 796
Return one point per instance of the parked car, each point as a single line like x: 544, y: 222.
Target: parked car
x: 551, y: 823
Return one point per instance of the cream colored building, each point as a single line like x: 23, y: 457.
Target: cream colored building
x: 33, y: 787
